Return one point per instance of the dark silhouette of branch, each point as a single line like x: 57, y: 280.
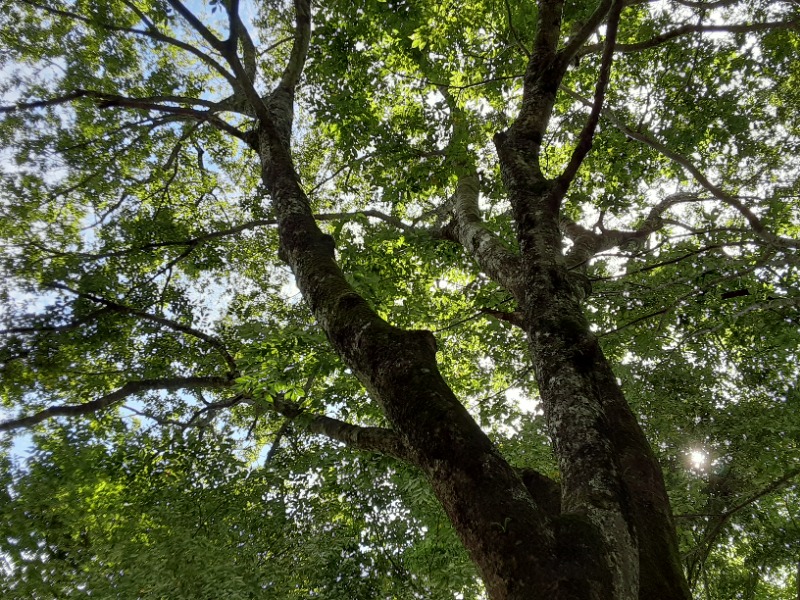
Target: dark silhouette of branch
x: 169, y: 323
x: 515, y: 318
x: 633, y: 322
x: 587, y: 134
x: 113, y: 398
x: 213, y: 41
x: 155, y: 103
x: 755, y: 223
x: 588, y: 243
x: 663, y: 263
x: 768, y: 489
x: 239, y: 33
x: 687, y: 29
x: 513, y: 30
x: 151, y: 32
x: 273, y: 449
x: 712, y: 534
x: 150, y: 103
x: 237, y: 229
x: 55, y: 328
x: 21, y: 106
x: 703, y: 5
x: 573, y: 46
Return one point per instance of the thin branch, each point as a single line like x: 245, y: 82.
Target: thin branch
x: 113, y: 398
x: 773, y: 304
x: 276, y: 442
x: 139, y: 13
x: 633, y: 322
x: 707, y: 543
x: 151, y: 33
x: 50, y: 329
x: 21, y: 106
x: 755, y: 223
x: 237, y: 229
x: 513, y: 30
x: 151, y: 103
x: 768, y: 489
x: 666, y: 36
x: 696, y: 291
x: 169, y: 323
x: 663, y: 263
x: 210, y: 409
x: 587, y: 134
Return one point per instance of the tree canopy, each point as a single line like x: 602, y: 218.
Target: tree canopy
x: 319, y: 300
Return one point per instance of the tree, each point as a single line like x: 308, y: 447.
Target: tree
x: 592, y: 204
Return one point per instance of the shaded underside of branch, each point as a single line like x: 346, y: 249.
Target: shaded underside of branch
x: 689, y: 29
x: 109, y: 400
x: 720, y: 194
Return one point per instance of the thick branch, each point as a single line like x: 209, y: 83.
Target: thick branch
x: 371, y: 439
x: 515, y: 318
x: 197, y: 25
x: 302, y: 36
x: 542, y: 78
x: 109, y: 400
x: 467, y: 228
x: 155, y: 104
x: 545, y: 491
x: 548, y: 32
x: 399, y: 370
x: 239, y: 33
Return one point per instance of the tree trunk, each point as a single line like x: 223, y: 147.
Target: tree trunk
x: 522, y: 548
x: 609, y: 473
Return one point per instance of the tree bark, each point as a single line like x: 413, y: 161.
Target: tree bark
x: 609, y: 473
x: 610, y: 537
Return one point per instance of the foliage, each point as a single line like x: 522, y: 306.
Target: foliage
x: 140, y: 249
